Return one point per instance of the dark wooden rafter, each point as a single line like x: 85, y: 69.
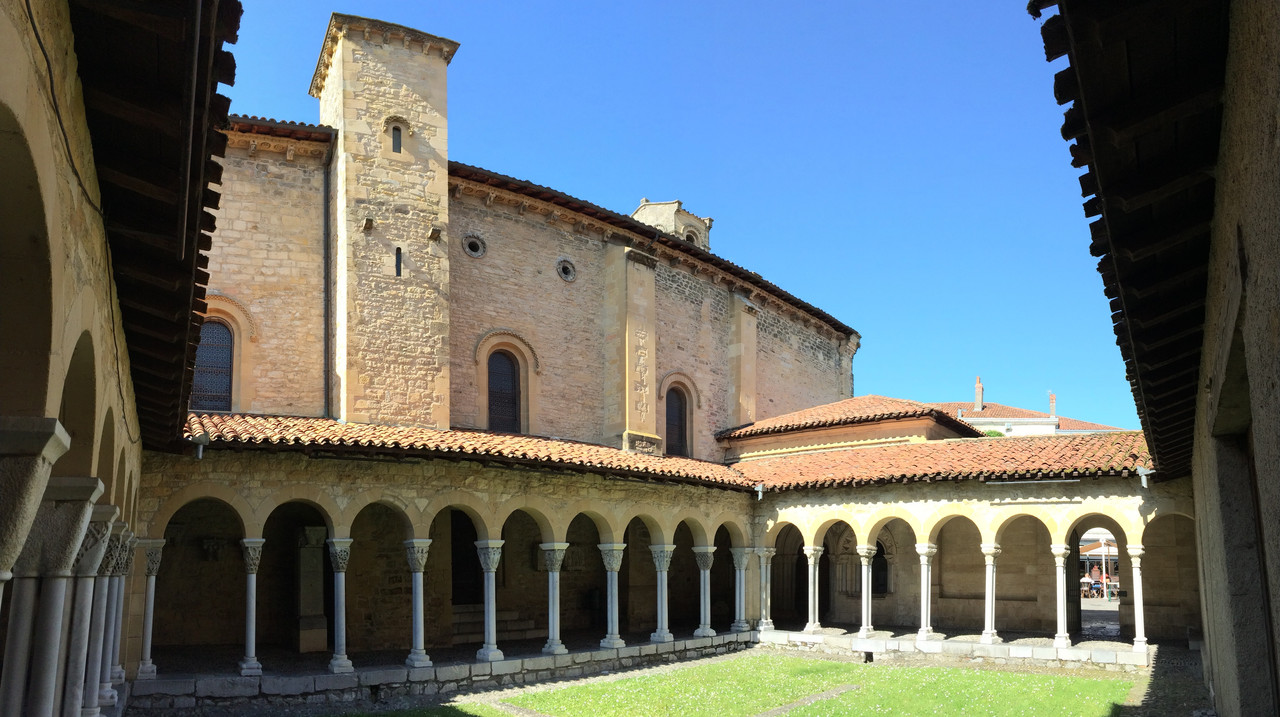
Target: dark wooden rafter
x: 1145, y: 87
x: 149, y: 71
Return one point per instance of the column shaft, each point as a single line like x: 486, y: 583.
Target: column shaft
x: 926, y: 551
x: 662, y: 563
x: 339, y: 554
x: 766, y: 587
x: 553, y: 559
x: 43, y: 690
x: 97, y: 628
x: 490, y: 552
x: 17, y: 646
x: 612, y: 554
x: 1060, y: 553
x: 705, y: 555
x: 252, y: 551
x: 416, y: 552
x: 78, y: 649
x: 866, y: 553
x: 990, y: 551
x: 147, y: 669
x: 107, y: 693
x: 117, y: 635
x: 1139, y: 618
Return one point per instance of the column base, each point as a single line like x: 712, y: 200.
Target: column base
x: 990, y: 638
x: 117, y: 675
x: 765, y: 625
x: 663, y: 636
x: 704, y: 632
x: 340, y: 664
x: 417, y: 658
x: 926, y: 634
x: 612, y: 641
x: 1140, y: 645
x: 106, y: 695
x: 489, y: 654
x: 250, y: 667
x: 146, y: 670
x: 812, y: 627
x: 554, y: 648
x: 1060, y: 641
x: 865, y: 631
x: 739, y: 626
x: 90, y: 712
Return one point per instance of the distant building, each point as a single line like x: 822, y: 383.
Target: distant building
x: 1013, y: 421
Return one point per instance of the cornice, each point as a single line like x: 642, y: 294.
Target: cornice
x: 291, y: 148
x: 341, y: 25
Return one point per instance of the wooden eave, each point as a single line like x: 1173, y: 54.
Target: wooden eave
x: 1145, y: 87
x: 149, y: 73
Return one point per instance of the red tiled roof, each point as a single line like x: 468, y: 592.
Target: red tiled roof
x: 999, y: 410
x: 1027, y: 458
x: 859, y: 409
x: 326, y: 434
x: 280, y: 128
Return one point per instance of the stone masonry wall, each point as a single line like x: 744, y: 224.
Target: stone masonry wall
x: 796, y: 367
x: 268, y: 257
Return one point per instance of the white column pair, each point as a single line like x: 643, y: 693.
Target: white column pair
x: 766, y: 587
x: 705, y: 555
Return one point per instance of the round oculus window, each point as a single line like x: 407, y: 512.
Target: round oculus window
x: 473, y: 245
x: 566, y: 271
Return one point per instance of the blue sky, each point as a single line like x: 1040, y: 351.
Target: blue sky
x: 897, y: 164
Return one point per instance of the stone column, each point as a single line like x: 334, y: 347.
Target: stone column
x: 97, y: 628
x: 553, y: 558
x: 662, y: 563
x: 17, y: 646
x: 117, y: 546
x: 339, y: 554
x: 704, y: 554
x: 252, y: 549
x: 1139, y: 621
x: 814, y: 555
x: 1060, y: 553
x: 147, y: 669
x: 766, y: 587
x: 740, y: 556
x: 612, y: 554
x: 990, y: 551
x: 124, y: 568
x: 81, y: 652
x: 416, y: 552
x: 28, y: 448
x: 926, y: 551
x: 46, y: 563
x: 866, y: 553
x: 490, y: 554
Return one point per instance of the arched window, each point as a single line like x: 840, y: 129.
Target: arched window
x: 395, y: 140
x: 677, y: 423
x: 211, y: 385
x: 504, y: 392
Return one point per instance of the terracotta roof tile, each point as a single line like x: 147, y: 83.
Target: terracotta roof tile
x: 999, y: 410
x: 859, y: 409
x: 297, y: 433
x: 1029, y: 458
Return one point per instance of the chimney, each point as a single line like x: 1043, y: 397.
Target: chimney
x: 1053, y: 405
x: 977, y: 395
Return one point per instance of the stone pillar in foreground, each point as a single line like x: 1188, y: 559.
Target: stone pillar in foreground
x: 705, y: 555
x: 766, y: 587
x: 866, y: 553
x: 990, y: 551
x: 416, y: 552
x: 252, y: 549
x: 339, y: 554
x: 124, y: 568
x: 490, y: 552
x: 926, y: 551
x: 662, y: 563
x: 553, y: 558
x: 1139, y: 620
x: 814, y: 555
x: 28, y: 448
x: 81, y: 650
x: 1060, y: 552
x: 612, y: 554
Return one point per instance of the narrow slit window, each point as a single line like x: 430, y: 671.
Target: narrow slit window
x: 395, y: 140
x: 677, y: 423
x: 398, y: 263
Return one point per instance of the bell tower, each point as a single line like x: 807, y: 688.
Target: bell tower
x: 383, y: 87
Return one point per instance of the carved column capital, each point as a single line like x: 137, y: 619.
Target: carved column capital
x: 990, y: 551
x: 926, y: 551
x: 93, y: 547
x: 252, y: 549
x: 553, y: 556
x: 662, y: 556
x: 415, y: 551
x: 1135, y: 555
x: 128, y: 547
x: 766, y: 554
x: 612, y: 554
x: 1060, y: 553
x: 339, y: 553
x: 740, y: 557
x: 154, y: 548
x: 490, y: 552
x: 705, y: 555
x: 866, y: 552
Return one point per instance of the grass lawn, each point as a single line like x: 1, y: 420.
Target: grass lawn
x: 757, y: 683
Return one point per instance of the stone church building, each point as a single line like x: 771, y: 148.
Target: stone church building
x: 316, y: 410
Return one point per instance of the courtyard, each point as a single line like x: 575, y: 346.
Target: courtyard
x: 764, y: 681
